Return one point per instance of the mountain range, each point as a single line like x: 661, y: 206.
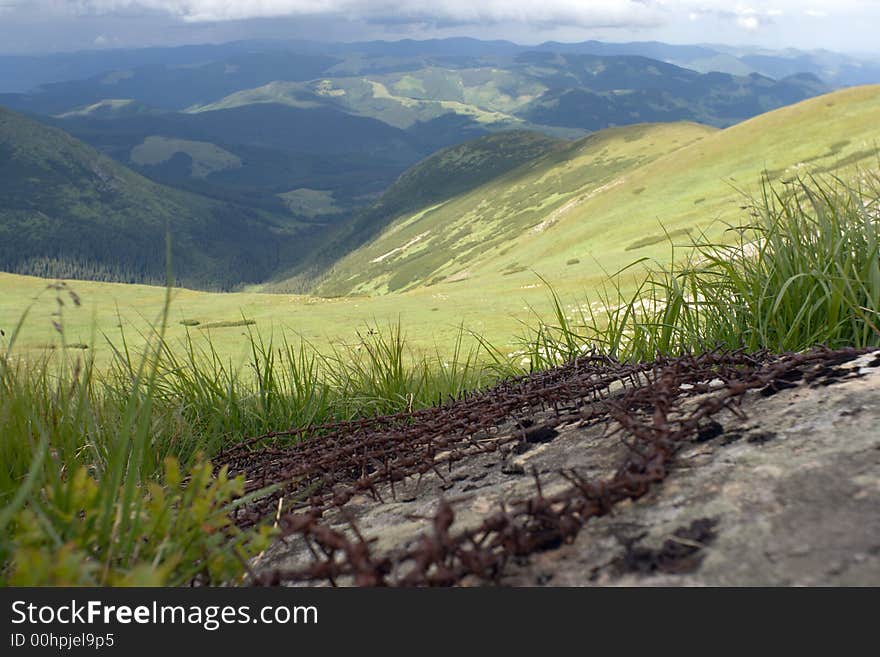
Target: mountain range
x: 286, y: 164
x: 22, y: 73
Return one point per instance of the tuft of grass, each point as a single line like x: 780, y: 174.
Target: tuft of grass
x: 106, y: 477
x: 656, y: 239
x: 88, y: 496
x: 804, y: 271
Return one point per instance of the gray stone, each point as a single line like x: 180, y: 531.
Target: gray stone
x: 784, y: 493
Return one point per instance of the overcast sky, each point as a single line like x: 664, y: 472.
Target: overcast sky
x: 55, y: 25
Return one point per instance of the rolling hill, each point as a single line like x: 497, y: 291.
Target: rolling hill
x: 445, y: 230
x: 451, y: 172
x: 610, y: 197
x: 68, y: 211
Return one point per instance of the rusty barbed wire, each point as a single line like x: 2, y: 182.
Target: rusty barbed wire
x: 327, y: 465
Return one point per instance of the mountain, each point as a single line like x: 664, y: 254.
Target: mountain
x: 315, y: 132
x: 613, y: 197
x: 835, y: 69
x: 629, y: 90
x: 22, y: 73
x: 172, y: 86
x: 407, y: 83
x: 541, y: 90
x: 68, y: 211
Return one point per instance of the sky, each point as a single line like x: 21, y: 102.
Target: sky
x: 36, y: 26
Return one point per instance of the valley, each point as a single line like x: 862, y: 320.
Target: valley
x: 465, y: 238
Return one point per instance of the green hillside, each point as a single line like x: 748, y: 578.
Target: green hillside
x: 451, y: 172
x: 67, y: 211
x: 608, y: 197
x: 699, y: 187
x: 449, y: 234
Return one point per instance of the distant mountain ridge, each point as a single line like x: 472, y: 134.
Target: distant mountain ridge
x: 24, y: 73
x: 308, y: 150
x: 622, y: 90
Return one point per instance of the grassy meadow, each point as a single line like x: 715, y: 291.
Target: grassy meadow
x: 430, y: 318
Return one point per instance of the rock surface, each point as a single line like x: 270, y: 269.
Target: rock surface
x: 785, y: 491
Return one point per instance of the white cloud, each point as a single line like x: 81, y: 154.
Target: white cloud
x: 40, y: 25
x: 583, y: 13
x: 748, y: 22
x: 594, y: 13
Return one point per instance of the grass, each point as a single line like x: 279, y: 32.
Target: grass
x: 471, y: 228
x: 228, y: 324
x: 106, y: 475
x: 804, y: 271
x: 90, y: 493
